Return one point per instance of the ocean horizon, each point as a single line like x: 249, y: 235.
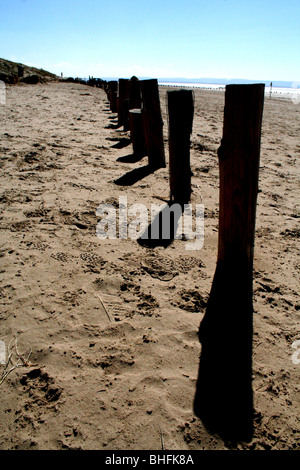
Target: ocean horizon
x: 284, y: 89
x: 280, y: 91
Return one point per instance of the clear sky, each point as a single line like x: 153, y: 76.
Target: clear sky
x: 251, y: 39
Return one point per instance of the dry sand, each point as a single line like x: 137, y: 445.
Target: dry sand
x: 92, y: 383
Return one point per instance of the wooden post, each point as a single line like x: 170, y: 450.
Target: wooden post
x: 123, y: 95
x: 153, y: 124
x: 181, y: 112
x: 224, y: 398
x: 112, y: 95
x: 239, y: 166
x: 126, y: 114
x: 113, y: 103
x: 135, y: 101
x: 107, y: 89
x: 137, y: 132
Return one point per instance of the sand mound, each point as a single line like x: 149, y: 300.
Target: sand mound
x: 32, y: 75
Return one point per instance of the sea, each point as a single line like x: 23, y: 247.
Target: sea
x: 292, y: 92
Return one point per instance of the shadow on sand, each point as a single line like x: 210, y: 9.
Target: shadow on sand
x: 131, y: 158
x: 162, y: 230
x: 134, y: 175
x: 123, y: 142
x: 112, y: 125
x: 224, y: 398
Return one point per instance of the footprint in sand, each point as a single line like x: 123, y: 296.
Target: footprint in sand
x: 41, y: 388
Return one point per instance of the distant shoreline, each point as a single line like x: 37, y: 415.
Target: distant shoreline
x: 223, y: 82
x: 214, y: 82
x: 284, y: 92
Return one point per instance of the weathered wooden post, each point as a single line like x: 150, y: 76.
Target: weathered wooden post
x: 126, y: 114
x: 137, y: 132
x: 224, y: 398
x: 153, y: 123
x: 113, y: 89
x: 106, y: 89
x: 181, y: 112
x: 108, y: 94
x: 114, y: 103
x: 135, y: 101
x: 123, y: 95
x: 118, y: 107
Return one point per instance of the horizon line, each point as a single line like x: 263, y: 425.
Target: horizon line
x: 206, y: 80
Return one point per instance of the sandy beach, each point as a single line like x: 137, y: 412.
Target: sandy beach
x: 107, y: 329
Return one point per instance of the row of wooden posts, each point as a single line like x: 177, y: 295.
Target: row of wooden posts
x: 224, y: 391
x: 138, y: 107
x: 137, y: 104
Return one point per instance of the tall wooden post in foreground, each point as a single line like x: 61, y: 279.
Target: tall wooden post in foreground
x: 153, y: 123
x: 224, y: 398
x: 181, y: 112
x: 239, y: 167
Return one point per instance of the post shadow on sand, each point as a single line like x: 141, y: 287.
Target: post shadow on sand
x: 112, y: 125
x: 224, y: 398
x: 134, y: 175
x: 123, y: 142
x: 131, y: 158
x: 162, y: 230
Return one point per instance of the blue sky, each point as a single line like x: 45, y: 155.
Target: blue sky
x: 251, y: 39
